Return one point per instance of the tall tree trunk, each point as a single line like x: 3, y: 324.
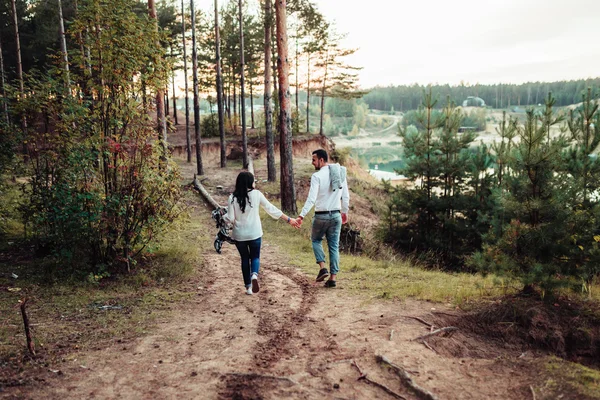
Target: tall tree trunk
x: 187, y: 96
x: 271, y: 171
x: 229, y: 98
x: 234, y: 100
x: 220, y: 89
x: 167, y: 111
x: 174, y: 98
x: 251, y: 104
x: 308, y: 95
x: 297, y: 121
x: 323, y: 93
x: 288, y: 192
x: 199, y: 166
x: 274, y: 71
x: 242, y: 94
x: 19, y: 66
x: 63, y: 44
x: 3, y: 82
x: 160, y: 97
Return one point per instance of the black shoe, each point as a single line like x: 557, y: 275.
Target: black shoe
x: 323, y: 273
x: 330, y: 284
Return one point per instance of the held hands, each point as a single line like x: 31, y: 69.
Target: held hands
x: 295, y: 222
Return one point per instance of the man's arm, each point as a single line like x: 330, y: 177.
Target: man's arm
x: 345, y: 201
x: 312, y: 195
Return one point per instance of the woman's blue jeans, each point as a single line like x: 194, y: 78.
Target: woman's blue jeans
x: 328, y: 226
x: 250, y: 254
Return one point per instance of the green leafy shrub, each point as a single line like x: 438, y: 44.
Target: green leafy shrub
x: 102, y: 186
x: 210, y: 125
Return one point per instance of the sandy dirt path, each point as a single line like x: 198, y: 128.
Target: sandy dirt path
x: 291, y: 340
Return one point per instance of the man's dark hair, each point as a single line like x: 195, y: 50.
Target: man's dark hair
x: 321, y: 154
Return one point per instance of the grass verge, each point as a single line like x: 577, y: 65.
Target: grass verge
x: 70, y: 316
x: 387, y: 279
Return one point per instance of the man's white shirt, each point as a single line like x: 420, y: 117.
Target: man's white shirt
x: 322, y: 197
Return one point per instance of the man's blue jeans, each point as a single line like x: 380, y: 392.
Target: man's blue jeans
x: 250, y: 253
x: 328, y: 226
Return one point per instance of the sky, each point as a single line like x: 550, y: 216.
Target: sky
x: 473, y: 41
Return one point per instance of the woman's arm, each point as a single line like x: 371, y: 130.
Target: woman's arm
x: 273, y: 211
x: 230, y: 216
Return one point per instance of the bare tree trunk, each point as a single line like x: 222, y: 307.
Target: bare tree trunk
x: 19, y: 63
x: 63, y: 44
x: 234, y: 99
x: 297, y: 121
x: 323, y: 93
x: 274, y: 71
x: 167, y: 111
x: 271, y: 171
x: 160, y: 97
x: 308, y: 95
x: 251, y: 104
x: 220, y: 89
x: 288, y: 192
x: 187, y: 97
x: 199, y: 166
x: 174, y: 98
x: 242, y: 94
x: 4, y: 99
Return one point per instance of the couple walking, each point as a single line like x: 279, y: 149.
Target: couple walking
x: 328, y: 194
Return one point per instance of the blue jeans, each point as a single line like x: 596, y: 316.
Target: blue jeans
x: 250, y: 253
x: 328, y: 226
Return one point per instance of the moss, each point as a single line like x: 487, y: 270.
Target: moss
x: 564, y: 377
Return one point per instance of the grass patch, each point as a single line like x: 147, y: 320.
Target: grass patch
x: 397, y: 279
x: 70, y: 316
x: 566, y: 377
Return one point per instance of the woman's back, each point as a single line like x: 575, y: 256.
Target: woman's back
x: 247, y: 225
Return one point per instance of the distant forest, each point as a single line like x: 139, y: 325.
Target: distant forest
x: 402, y: 98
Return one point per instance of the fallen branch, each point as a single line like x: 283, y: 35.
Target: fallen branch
x: 262, y: 376
x: 532, y: 392
x: 407, y: 379
x: 338, y: 362
x: 250, y: 164
x: 437, y: 332
x: 30, y: 345
x: 418, y: 319
x: 391, y: 334
x: 385, y: 388
x: 428, y: 346
x: 198, y: 186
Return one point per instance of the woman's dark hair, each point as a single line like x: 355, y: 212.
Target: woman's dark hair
x: 243, y: 184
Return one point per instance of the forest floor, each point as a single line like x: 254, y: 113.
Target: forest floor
x: 295, y: 339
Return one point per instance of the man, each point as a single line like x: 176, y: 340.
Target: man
x: 331, y: 199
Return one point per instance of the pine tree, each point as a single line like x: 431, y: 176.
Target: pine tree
x: 532, y: 241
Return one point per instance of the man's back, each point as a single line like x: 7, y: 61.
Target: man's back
x: 322, y: 196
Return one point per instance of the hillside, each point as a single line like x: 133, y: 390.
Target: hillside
x: 294, y: 339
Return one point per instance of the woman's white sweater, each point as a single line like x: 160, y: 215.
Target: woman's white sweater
x: 246, y: 225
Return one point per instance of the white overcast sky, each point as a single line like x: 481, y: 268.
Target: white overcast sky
x: 475, y: 41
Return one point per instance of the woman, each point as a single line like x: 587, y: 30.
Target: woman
x: 242, y: 212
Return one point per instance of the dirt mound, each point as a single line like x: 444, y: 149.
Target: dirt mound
x: 564, y: 327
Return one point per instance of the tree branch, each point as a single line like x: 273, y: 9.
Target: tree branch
x: 407, y: 379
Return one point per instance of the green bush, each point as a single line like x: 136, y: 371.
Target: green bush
x: 102, y: 186
x: 210, y: 125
